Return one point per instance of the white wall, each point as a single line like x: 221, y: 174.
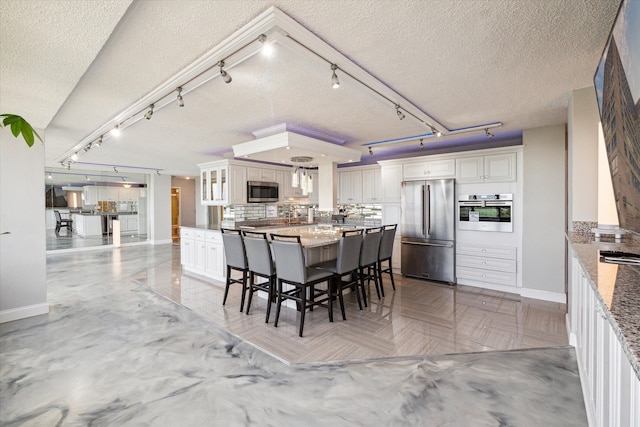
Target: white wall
x: 543, y: 234
x: 160, y: 202
x: 23, y: 281
x: 583, y: 156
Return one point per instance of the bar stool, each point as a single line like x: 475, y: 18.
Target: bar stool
x: 292, y: 270
x: 386, y: 252
x: 236, y: 257
x: 346, y: 263
x: 369, y: 259
x: 260, y: 264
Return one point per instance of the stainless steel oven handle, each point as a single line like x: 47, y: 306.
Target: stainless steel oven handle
x: 427, y: 244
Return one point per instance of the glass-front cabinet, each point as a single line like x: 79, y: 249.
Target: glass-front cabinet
x: 223, y: 183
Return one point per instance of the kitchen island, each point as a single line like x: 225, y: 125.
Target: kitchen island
x: 88, y: 224
x: 604, y: 326
x: 202, y: 251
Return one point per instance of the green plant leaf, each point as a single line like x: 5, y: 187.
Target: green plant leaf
x: 16, y: 128
x: 27, y: 133
x: 20, y: 126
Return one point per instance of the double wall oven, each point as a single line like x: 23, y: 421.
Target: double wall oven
x: 485, y: 212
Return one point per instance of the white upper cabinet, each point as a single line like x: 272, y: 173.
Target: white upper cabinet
x: 431, y: 169
x: 371, y: 191
x: 350, y: 187
x: 264, y: 175
x: 391, y: 183
x: 314, y: 197
x: 489, y: 168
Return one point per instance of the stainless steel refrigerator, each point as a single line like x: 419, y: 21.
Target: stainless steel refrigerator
x: 428, y: 229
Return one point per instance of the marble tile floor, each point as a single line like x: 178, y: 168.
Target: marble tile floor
x: 114, y: 352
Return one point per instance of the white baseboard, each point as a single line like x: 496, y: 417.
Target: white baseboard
x: 543, y: 295
x: 491, y: 286
x: 160, y: 242
x: 23, y: 312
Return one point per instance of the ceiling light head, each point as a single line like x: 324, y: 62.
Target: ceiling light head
x: 49, y: 176
x: 435, y: 132
x: 149, y: 112
x: 69, y: 166
x: 489, y: 134
x: 87, y: 178
x: 115, y: 169
x: 267, y: 48
x: 87, y: 147
x: 421, y: 144
x: 225, y: 76
x: 179, y: 99
x: 158, y: 173
x: 335, y: 82
x: 400, y: 114
x: 370, y: 151
x: 98, y: 143
x: 74, y: 157
x: 116, y: 131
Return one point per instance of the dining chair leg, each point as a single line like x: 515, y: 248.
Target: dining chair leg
x: 303, y: 303
x: 361, y: 280
x: 227, y: 284
x: 340, y: 298
x: 330, y: 292
x: 244, y: 289
x: 379, y: 275
x: 251, y: 279
x: 272, y: 286
x: 391, y: 275
x: 278, y: 303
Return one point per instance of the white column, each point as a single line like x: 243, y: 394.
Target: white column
x: 328, y: 186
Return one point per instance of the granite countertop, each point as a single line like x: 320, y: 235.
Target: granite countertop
x: 618, y: 287
x: 310, y: 235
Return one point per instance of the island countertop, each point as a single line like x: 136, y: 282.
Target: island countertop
x: 617, y: 287
x: 311, y: 236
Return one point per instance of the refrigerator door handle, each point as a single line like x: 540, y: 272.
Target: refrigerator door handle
x: 423, y: 213
x: 428, y: 244
x: 429, y: 210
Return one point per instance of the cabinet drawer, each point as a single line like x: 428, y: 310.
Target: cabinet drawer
x: 498, y: 264
x: 187, y: 233
x: 199, y: 234
x: 486, y: 276
x: 506, y: 252
x: 213, y: 237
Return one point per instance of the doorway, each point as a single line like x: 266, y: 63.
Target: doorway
x: 175, y: 213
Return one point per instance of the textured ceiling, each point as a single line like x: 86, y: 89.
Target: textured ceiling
x: 463, y: 62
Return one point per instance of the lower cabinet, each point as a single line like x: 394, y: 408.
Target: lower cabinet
x: 202, y: 252
x: 611, y: 386
x: 486, y: 266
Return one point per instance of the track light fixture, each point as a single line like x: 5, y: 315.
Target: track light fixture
x: 115, y: 169
x: 335, y: 82
x: 158, y: 173
x: 179, y: 99
x: 87, y: 147
x: 98, y: 143
x: 489, y: 134
x: 370, y: 151
x: 116, y: 131
x: 400, y: 114
x: 87, y: 178
x: 74, y: 157
x: 267, y: 49
x: 149, y: 112
x: 69, y: 166
x: 421, y: 144
x: 49, y: 176
x: 123, y: 179
x: 435, y: 131
x: 225, y: 76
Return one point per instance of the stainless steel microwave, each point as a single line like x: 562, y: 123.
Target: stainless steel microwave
x: 485, y: 212
x: 262, y: 192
